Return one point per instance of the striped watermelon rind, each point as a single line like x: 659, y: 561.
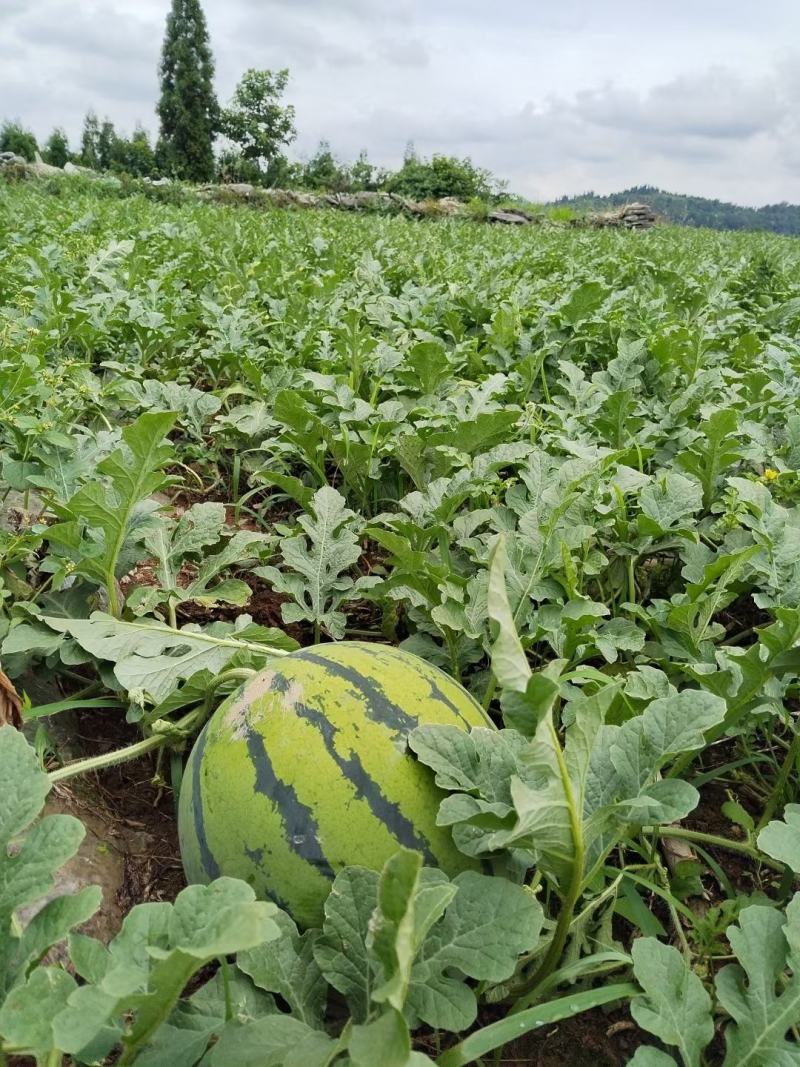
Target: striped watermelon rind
x: 306, y: 770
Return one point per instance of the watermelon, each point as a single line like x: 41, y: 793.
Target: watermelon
x: 305, y: 770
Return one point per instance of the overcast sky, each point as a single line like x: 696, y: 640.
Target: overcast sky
x: 557, y: 96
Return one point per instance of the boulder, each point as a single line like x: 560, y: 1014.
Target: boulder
x: 629, y: 216
x: 449, y: 205
x: 42, y: 169
x: 73, y: 168
x: 509, y: 218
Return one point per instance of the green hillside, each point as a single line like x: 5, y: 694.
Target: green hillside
x: 697, y: 210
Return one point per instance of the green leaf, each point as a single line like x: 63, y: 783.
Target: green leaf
x: 28, y: 874
x: 25, y: 786
x: 669, y: 505
x: 517, y: 1024
x: 486, y: 928
x: 386, y: 1041
x: 509, y: 663
x: 152, y: 656
x: 648, y: 1056
x: 26, y: 1017
x: 151, y: 960
x: 286, y: 966
x: 392, y: 936
x: 317, y: 578
x: 52, y: 923
x: 133, y: 473
x: 762, y: 1001
x: 781, y: 839
x: 713, y: 452
x: 271, y: 1041
x: 173, y: 545
x: 341, y: 952
x: 675, y: 1006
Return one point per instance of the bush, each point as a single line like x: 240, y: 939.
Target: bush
x: 440, y: 177
x: 15, y: 138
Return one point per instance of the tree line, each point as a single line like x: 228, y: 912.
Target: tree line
x: 696, y: 210
x: 256, y: 128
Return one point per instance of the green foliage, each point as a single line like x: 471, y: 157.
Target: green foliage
x: 90, y: 142
x: 187, y: 108
x: 255, y: 120
x: 15, y: 138
x: 696, y: 210
x: 566, y: 471
x: 134, y: 155
x: 316, y: 565
x: 439, y: 177
x: 56, y: 148
x: 323, y: 171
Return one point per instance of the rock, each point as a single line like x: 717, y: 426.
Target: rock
x: 42, y: 169
x: 449, y: 205
x: 509, y: 218
x: 243, y: 189
x: 8, y: 159
x: 630, y: 217
x: 73, y: 168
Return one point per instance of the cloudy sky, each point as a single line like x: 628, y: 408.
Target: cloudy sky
x: 557, y: 96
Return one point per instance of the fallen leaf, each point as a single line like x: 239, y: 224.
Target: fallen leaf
x: 10, y: 703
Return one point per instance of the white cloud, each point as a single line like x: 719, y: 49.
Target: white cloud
x: 557, y: 96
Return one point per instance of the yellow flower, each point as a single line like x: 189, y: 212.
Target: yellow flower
x: 770, y: 475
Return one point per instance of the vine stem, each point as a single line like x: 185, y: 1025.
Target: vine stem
x: 120, y: 755
x: 181, y: 728
x: 720, y: 842
x: 778, y: 790
x: 555, y: 949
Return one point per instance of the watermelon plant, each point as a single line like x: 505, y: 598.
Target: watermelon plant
x: 561, y: 468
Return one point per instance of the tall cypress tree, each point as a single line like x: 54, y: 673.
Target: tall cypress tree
x: 188, y: 107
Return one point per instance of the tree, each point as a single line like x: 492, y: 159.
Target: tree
x: 15, y: 138
x: 134, y: 156
x: 323, y: 171
x: 105, y: 145
x: 90, y: 136
x: 188, y: 108
x: 439, y: 177
x: 365, y: 175
x: 56, y: 148
x: 256, y: 121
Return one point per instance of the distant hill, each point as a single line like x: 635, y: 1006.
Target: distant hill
x: 696, y: 210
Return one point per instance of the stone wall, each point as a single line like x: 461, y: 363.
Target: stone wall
x: 631, y: 216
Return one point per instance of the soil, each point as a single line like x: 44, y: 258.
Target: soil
x: 131, y: 844
x: 594, y: 1039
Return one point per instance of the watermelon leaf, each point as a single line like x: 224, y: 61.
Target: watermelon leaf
x: 286, y: 966
x: 385, y: 1040
x: 781, y: 838
x: 341, y: 953
x: 423, y: 937
x: 174, y: 545
x: 149, y: 963
x: 675, y: 1005
x: 488, y: 925
x: 29, y: 858
x: 152, y: 657
x: 271, y: 1041
x: 316, y: 565
x: 26, y: 1016
x: 119, y: 508
x: 763, y: 1003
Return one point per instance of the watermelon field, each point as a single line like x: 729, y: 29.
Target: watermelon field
x: 434, y: 588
